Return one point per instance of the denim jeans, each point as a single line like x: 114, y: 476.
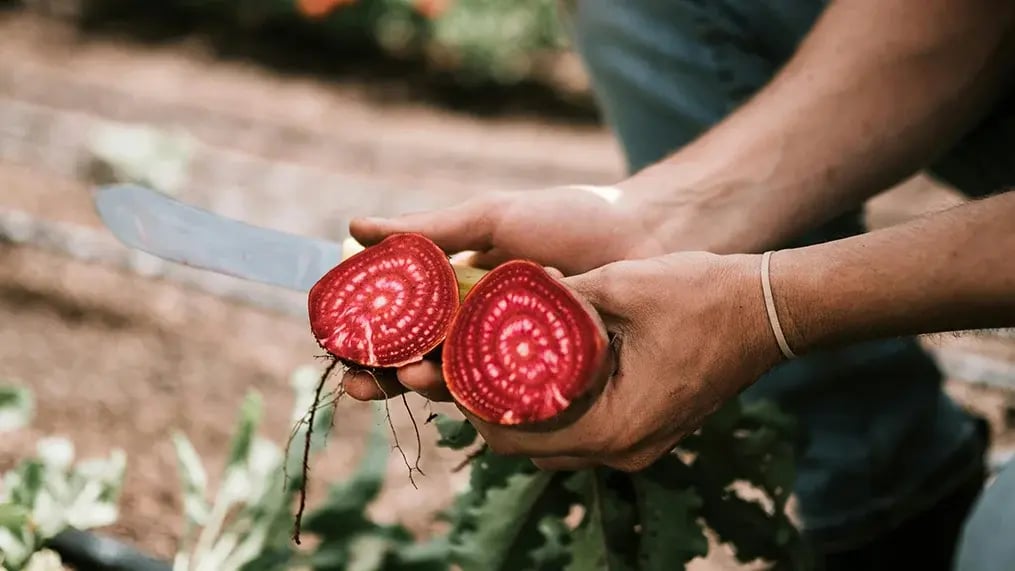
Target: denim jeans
x: 884, y: 442
x: 987, y: 538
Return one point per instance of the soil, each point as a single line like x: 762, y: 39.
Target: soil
x: 120, y: 360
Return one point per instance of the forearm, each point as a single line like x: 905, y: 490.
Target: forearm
x: 949, y: 271
x: 874, y: 93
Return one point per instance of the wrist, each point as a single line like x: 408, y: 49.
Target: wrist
x: 688, y: 205
x: 741, y: 288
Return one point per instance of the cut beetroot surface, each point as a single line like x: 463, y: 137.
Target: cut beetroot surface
x: 523, y: 348
x: 386, y: 306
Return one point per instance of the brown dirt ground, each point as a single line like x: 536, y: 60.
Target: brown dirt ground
x: 119, y: 360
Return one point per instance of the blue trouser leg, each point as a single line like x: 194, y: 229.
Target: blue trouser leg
x: 884, y: 441
x: 988, y: 540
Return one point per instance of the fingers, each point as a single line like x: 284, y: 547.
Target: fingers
x: 601, y: 287
x: 487, y: 260
x: 564, y: 463
x: 635, y: 462
x: 367, y: 386
x: 426, y: 379
x: 469, y: 225
x: 587, y: 437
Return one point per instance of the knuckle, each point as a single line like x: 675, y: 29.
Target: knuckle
x: 614, y: 281
x: 493, y: 204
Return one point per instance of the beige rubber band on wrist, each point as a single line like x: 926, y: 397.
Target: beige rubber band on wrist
x: 773, y: 317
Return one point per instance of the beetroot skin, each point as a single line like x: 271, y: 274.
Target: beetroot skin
x: 523, y: 348
x: 386, y: 306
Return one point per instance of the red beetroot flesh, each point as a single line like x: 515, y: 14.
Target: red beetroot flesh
x: 386, y: 306
x: 522, y: 347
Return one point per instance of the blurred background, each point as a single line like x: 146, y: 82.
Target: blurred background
x: 297, y: 115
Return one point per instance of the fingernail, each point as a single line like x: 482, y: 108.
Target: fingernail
x: 375, y: 220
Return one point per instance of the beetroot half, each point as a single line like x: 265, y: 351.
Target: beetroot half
x: 387, y: 305
x: 523, y: 349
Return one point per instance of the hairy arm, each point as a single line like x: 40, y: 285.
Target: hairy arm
x: 950, y: 271
x: 876, y: 91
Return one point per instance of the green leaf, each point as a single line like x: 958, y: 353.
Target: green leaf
x: 767, y: 413
x: 455, y: 434
x: 501, y: 520
x: 193, y: 479
x: 13, y: 516
x: 30, y: 477
x: 271, y: 559
x: 553, y: 554
x: 421, y: 556
x: 243, y: 437
x: 745, y: 526
x: 669, y: 510
x: 16, y: 408
x: 752, y: 444
x: 486, y: 471
x: 590, y: 549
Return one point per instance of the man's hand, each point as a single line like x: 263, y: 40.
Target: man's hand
x: 574, y: 228
x: 692, y: 333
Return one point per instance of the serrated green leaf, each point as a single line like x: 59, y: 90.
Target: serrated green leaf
x: 500, y: 518
x: 745, y: 526
x: 455, y: 434
x: 16, y: 408
x: 669, y: 510
x: 621, y: 519
x: 755, y: 448
x: 554, y: 553
x: 590, y: 549
x: 490, y: 473
x: 193, y: 478
x: 486, y: 471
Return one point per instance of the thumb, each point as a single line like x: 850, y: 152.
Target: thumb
x: 466, y: 226
x: 599, y: 288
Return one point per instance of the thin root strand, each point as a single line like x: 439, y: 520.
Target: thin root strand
x: 304, y: 482
x: 394, y: 433
x: 415, y: 427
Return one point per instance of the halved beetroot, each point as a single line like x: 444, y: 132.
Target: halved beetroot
x: 523, y: 349
x: 387, y: 305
